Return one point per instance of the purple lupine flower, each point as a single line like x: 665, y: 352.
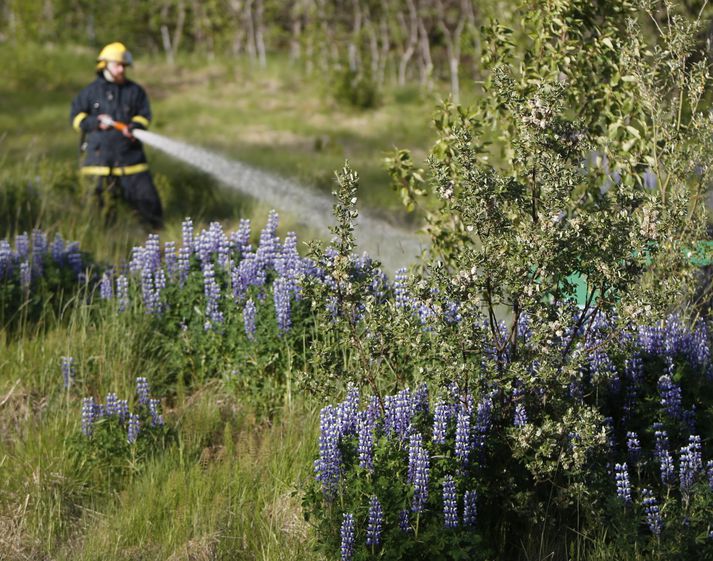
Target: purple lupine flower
x: 248, y: 273
x: 184, y: 264
x: 249, y: 312
x: 365, y: 434
x: 450, y: 503
x: 122, y: 292
x: 328, y: 467
x: 6, y: 258
x: 74, y: 258
x: 25, y: 276
x: 134, y: 427
x: 483, y: 420
x: 470, y: 508
x: 187, y: 234
x: 404, y: 523
x: 22, y: 246
x: 87, y: 416
x: 347, y: 535
x: 289, y: 264
x: 670, y: 394
x: 623, y: 487
x: 269, y: 244
x: 709, y: 471
x: 663, y: 456
x: 214, y: 316
x: 451, y: 313
x: 156, y: 417
x: 241, y: 238
x: 68, y: 370
x: 149, y: 293
x: 152, y: 253
x: 221, y: 243
x: 170, y: 258
x: 691, y: 463
x: 419, y: 471
x: 142, y: 390
x: 652, y: 512
x: 441, y: 414
x: 700, y: 353
x: 159, y: 282
x: 106, y: 286
x: 136, y: 262
x: 112, y: 405
x: 122, y: 409
x: 281, y: 295
x: 420, y: 400
x: 99, y: 411
x: 39, y: 248
x: 463, y: 440
x: 376, y: 519
x: 634, y: 369
x: 650, y: 339
x: 347, y: 411
x: 57, y: 249
x: 400, y: 291
x: 633, y: 446
x: 398, y: 410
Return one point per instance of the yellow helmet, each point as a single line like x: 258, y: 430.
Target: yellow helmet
x: 114, y: 52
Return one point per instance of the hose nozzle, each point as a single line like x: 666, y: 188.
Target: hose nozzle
x: 118, y: 125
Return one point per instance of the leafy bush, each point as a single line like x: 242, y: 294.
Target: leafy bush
x: 355, y: 88
x: 562, y: 188
x: 530, y: 454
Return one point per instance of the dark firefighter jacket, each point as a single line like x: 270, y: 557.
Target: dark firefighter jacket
x: 108, y: 152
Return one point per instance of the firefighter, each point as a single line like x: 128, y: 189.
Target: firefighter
x: 116, y: 157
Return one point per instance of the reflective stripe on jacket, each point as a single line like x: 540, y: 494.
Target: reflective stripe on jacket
x: 108, y: 152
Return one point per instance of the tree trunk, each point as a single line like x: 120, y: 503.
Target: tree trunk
x: 250, y: 27
x: 452, y: 38
x: 385, y: 48
x: 260, y: 33
x: 353, y: 48
x: 411, y: 30
x: 296, y: 36
x: 425, y: 60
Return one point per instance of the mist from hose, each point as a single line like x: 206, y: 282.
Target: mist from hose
x: 393, y: 246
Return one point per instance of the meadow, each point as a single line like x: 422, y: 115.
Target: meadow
x: 231, y: 388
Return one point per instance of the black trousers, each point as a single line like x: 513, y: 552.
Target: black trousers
x: 139, y: 192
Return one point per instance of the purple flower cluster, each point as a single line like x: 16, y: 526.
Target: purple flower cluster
x: 670, y: 394
x: 450, y: 503
x: 470, y: 508
x: 419, y: 471
x: 662, y: 454
x: 68, y: 370
x: 114, y: 408
x: 26, y: 262
x: 652, y: 512
x: 672, y: 338
x: 217, y: 256
x: 347, y: 534
x: 691, y: 465
x: 623, y: 486
x: 376, y: 519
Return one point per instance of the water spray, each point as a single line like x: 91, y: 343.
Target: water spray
x: 393, y: 246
